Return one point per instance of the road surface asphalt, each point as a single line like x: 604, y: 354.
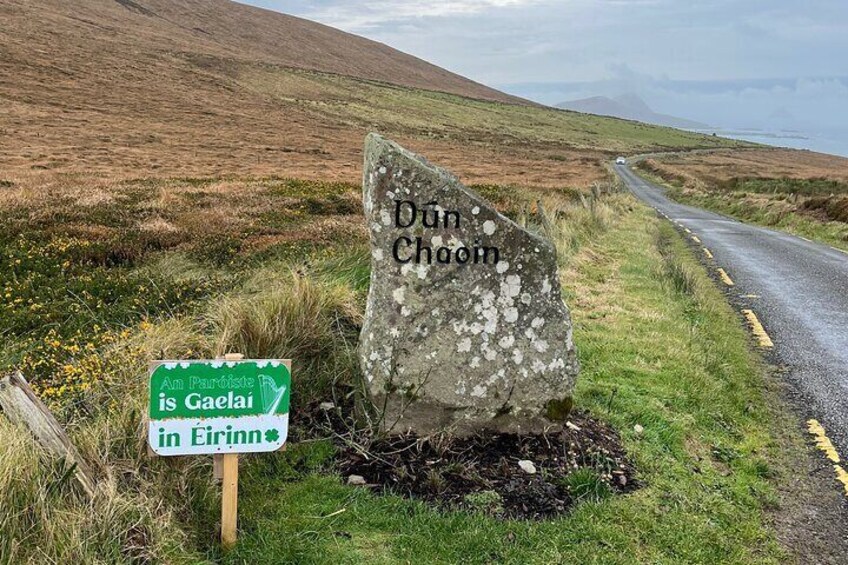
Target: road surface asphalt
x: 797, y: 289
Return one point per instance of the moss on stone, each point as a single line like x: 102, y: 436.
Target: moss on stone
x: 558, y: 410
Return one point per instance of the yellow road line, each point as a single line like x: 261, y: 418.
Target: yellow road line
x: 825, y: 445
x: 757, y: 329
x: 840, y: 250
x: 687, y: 230
x: 708, y: 253
x: 822, y: 441
x: 695, y: 239
x: 842, y: 477
x: 725, y: 277
x: 750, y: 296
x: 805, y: 239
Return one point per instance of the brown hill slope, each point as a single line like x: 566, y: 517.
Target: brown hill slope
x: 140, y: 88
x: 221, y: 28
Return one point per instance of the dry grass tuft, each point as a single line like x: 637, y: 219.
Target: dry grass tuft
x: 570, y: 223
x: 158, y: 225
x: 287, y: 316
x: 45, y: 519
x: 94, y: 197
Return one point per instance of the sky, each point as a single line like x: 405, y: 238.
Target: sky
x: 774, y: 65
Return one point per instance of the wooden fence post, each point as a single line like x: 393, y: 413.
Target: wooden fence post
x: 21, y: 406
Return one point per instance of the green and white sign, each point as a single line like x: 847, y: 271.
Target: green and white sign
x: 203, y: 407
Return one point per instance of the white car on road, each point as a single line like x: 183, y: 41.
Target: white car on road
x: 620, y: 161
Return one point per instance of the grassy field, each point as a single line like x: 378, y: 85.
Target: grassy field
x: 407, y: 111
x: 802, y: 193
x: 163, y: 269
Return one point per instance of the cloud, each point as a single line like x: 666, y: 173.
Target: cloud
x: 364, y: 16
x: 501, y: 41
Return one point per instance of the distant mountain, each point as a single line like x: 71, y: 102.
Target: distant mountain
x: 630, y: 107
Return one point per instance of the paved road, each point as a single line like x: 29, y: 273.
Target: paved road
x: 797, y: 289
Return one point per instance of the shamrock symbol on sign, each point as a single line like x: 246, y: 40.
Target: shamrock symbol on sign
x: 272, y: 436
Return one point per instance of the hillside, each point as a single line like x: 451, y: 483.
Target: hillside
x: 219, y: 28
x: 141, y: 88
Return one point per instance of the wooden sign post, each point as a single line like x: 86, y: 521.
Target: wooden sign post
x: 223, y: 407
x: 228, y: 463
x: 229, y: 500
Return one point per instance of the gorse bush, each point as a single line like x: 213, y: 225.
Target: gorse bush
x: 53, y: 284
x: 63, y: 308
x: 63, y: 369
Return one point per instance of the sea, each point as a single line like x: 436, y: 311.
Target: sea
x: 834, y: 142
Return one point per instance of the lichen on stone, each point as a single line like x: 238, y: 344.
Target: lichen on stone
x: 463, y: 328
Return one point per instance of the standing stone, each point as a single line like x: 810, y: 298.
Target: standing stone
x: 465, y: 327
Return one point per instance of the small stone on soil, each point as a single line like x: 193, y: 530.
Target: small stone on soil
x: 638, y: 429
x: 527, y: 466
x: 356, y: 480
x: 326, y: 406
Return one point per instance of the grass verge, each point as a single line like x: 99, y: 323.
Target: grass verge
x: 659, y: 347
